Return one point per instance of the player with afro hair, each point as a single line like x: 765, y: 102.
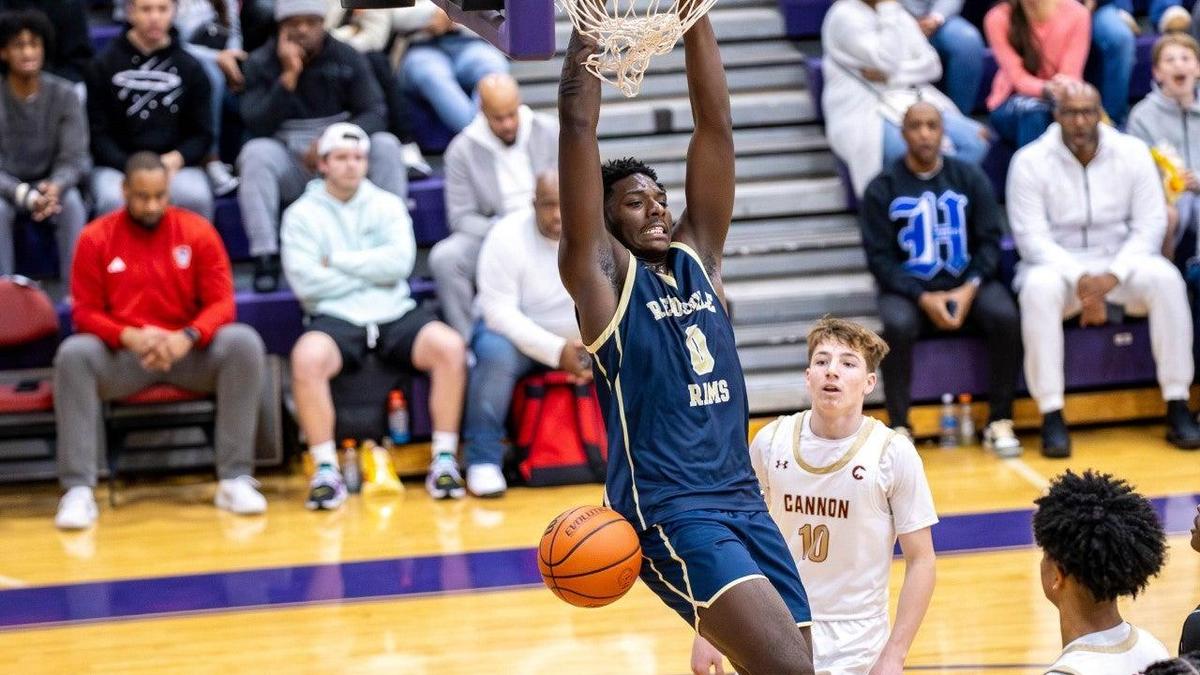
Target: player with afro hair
x: 1186, y: 664
x: 1100, y: 541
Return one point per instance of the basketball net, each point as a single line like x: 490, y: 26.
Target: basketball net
x: 627, y: 38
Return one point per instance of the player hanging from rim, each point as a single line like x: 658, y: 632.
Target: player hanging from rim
x: 649, y: 297
x: 842, y: 486
x: 1100, y: 540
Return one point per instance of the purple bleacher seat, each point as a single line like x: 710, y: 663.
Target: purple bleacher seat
x: 1110, y: 356
x: 103, y: 34
x: 430, y: 133
x: 427, y: 203
x: 802, y: 18
x: 276, y: 316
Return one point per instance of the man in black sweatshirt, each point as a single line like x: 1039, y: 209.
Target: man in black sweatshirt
x: 931, y: 229
x: 145, y: 93
x: 297, y: 84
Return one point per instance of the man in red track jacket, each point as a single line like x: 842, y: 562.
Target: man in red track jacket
x: 153, y: 303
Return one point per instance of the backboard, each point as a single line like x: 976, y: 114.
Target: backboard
x: 523, y: 29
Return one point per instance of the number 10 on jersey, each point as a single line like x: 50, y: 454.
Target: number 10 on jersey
x: 815, y: 542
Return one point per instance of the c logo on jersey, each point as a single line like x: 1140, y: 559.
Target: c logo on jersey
x: 858, y: 472
x: 697, y: 344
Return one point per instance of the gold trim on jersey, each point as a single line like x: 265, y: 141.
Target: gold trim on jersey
x: 637, y: 502
x: 668, y: 280
x: 687, y: 582
x: 695, y: 256
x: 622, y: 305
x: 1119, y: 648
x: 861, y: 439
x: 1062, y: 670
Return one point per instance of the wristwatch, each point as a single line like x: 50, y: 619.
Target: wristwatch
x: 192, y: 334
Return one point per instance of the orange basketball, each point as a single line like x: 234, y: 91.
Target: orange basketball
x: 589, y: 556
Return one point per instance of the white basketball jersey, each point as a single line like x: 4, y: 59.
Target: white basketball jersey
x: 1121, y: 649
x: 835, y: 518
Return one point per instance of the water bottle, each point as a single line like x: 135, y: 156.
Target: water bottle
x: 351, y: 473
x: 966, y: 423
x: 397, y: 417
x: 948, y: 423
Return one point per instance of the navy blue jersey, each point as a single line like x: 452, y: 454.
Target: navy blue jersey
x: 674, y: 398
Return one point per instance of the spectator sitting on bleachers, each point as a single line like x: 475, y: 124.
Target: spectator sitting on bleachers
x: 211, y: 31
x: 444, y: 62
x: 297, y: 84
x: 71, y: 51
x: 1112, y: 56
x: 154, y: 304
x: 367, y: 30
x: 931, y: 229
x: 490, y: 169
x: 527, y: 324
x: 348, y: 249
x: 145, y: 92
x: 1039, y: 52
x: 877, y: 63
x: 1086, y: 209
x: 43, y: 140
x: 1162, y: 120
x: 959, y: 46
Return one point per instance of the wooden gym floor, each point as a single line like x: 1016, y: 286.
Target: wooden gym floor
x: 168, y: 584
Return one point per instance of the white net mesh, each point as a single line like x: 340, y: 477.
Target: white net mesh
x: 631, y: 33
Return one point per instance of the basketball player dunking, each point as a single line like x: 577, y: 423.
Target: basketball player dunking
x: 842, y: 486
x: 649, y: 298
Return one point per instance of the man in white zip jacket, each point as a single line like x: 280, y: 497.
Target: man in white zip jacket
x: 1086, y: 209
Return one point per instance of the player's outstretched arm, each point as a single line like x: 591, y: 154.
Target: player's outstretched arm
x: 919, y: 576
x: 587, y: 257
x: 710, y: 160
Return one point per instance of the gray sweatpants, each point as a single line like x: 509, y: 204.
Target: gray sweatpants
x: 87, y: 372
x: 67, y: 225
x: 452, y: 262
x: 189, y: 190
x: 273, y: 177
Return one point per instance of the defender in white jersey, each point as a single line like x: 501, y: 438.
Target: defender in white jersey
x: 1100, y: 540
x: 842, y: 486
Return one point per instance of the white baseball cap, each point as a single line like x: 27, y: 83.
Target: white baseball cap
x: 343, y: 136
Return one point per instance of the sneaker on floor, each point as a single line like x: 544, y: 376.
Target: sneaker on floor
x: 326, y: 490
x: 444, y: 481
x: 1056, y: 440
x: 486, y: 480
x: 999, y: 438
x: 414, y: 161
x: 220, y: 175
x: 77, y: 509
x: 1175, y: 20
x: 241, y: 496
x: 378, y: 472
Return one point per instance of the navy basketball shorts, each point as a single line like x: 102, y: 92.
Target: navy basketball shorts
x: 689, y: 560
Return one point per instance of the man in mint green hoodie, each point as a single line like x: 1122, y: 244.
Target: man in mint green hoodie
x: 348, y: 249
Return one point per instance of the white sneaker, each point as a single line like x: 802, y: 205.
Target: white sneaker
x: 1000, y: 439
x: 241, y: 496
x: 220, y: 175
x: 486, y: 480
x: 414, y: 161
x: 77, y: 509
x: 444, y: 481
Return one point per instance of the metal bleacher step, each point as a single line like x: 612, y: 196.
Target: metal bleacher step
x: 766, y: 334
x: 790, y: 299
x: 781, y: 346
x: 730, y: 24
x: 645, y: 115
x: 757, y: 76
x: 733, y: 55
x: 808, y: 245
x: 756, y: 200
x: 758, y: 167
x: 760, y: 141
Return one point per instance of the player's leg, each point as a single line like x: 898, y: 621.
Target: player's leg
x: 317, y: 358
x: 753, y: 627
x: 439, y: 350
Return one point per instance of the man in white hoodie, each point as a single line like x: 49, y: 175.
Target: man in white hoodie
x: 348, y: 249
x: 1086, y: 209
x: 490, y: 169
